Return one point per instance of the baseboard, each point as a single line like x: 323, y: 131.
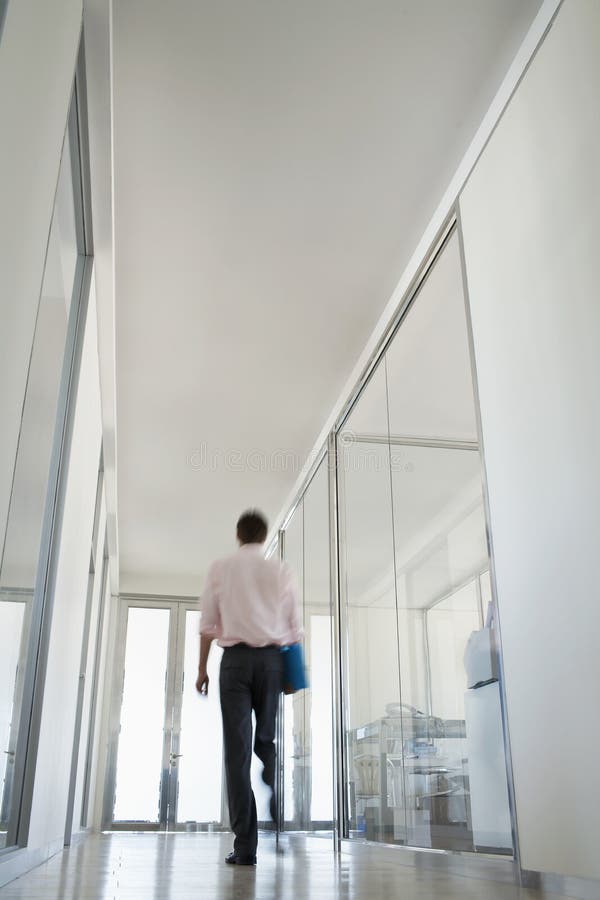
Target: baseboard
x: 571, y: 886
x: 470, y: 865
x: 14, y: 863
x: 467, y: 865
x: 80, y: 836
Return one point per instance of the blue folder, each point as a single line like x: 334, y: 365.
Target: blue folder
x: 294, y: 670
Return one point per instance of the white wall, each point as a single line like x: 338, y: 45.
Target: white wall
x: 529, y: 216
x: 37, y: 64
x: 53, y: 768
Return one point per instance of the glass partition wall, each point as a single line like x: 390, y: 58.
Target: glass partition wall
x: 419, y: 705
x: 27, y: 546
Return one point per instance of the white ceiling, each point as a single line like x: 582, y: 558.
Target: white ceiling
x: 276, y: 163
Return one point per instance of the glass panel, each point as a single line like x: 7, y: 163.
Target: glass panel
x: 321, y: 798
x: 422, y: 702
x: 446, y: 793
x: 63, y: 251
x: 32, y: 464
x: 370, y: 654
x: 440, y: 542
x: 428, y: 365
x: 140, y: 757
x: 201, y: 744
x: 296, y: 767
x: 308, y: 788
x: 318, y: 699
x: 11, y: 622
x: 449, y: 624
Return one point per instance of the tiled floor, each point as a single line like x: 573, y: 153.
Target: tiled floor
x: 191, y: 867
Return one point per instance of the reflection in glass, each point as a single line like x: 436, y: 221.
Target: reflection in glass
x: 424, y: 738
x: 139, y: 761
x: 308, y: 734
x: 321, y: 799
x: 369, y: 615
x: 318, y: 699
x: 11, y: 623
x: 32, y: 464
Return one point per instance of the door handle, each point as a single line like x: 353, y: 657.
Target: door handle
x: 175, y: 757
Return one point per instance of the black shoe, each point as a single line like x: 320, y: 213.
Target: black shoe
x: 234, y: 860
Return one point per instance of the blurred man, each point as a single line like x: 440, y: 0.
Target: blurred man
x: 251, y: 606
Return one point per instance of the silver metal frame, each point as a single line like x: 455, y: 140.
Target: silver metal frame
x: 394, y: 560
x: 97, y: 538
x: 95, y: 686
x: 43, y: 600
x: 338, y: 748
x: 280, y: 729
x: 378, y: 356
x: 337, y: 541
x: 396, y: 440
x: 486, y: 503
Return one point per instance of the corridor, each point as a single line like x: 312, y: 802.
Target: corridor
x: 299, y: 333
x: 190, y: 867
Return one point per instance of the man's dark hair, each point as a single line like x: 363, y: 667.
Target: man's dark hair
x: 252, y: 527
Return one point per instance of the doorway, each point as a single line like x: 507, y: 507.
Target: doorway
x: 165, y: 767
x: 165, y: 762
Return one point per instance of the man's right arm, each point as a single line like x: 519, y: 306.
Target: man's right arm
x: 202, y: 680
x: 210, y: 626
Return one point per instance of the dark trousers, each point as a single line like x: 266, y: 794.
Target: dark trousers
x: 250, y: 679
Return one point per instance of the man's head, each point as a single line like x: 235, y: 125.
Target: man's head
x: 252, y: 528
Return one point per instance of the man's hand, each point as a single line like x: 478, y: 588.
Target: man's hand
x: 202, y: 682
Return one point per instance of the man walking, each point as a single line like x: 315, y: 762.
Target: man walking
x: 251, y: 606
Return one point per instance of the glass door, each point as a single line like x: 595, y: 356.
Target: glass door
x: 197, y: 742
x: 140, y: 789
x: 424, y: 746
x: 165, y: 766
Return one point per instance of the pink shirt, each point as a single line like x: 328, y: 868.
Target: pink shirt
x: 251, y: 600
